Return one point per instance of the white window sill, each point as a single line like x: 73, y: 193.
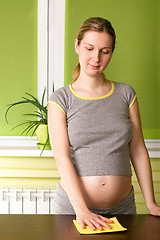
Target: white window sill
x: 11, y: 146
x: 21, y: 146
x: 153, y: 147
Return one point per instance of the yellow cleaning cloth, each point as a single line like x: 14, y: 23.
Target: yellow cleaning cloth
x: 115, y: 227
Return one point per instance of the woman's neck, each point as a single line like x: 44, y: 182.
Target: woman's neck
x: 91, y: 83
x: 91, y: 87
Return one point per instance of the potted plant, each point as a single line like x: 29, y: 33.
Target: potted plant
x: 38, y: 126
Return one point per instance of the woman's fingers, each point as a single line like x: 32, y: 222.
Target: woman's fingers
x: 88, y: 223
x: 82, y: 223
x: 103, y: 222
x: 105, y: 219
x: 96, y: 222
x: 92, y: 224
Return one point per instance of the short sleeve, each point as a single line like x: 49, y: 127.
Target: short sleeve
x: 58, y: 98
x: 130, y: 95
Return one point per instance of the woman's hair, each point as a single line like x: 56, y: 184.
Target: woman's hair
x: 93, y: 24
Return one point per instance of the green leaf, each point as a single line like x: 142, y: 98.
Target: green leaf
x: 44, y: 145
x: 31, y: 127
x: 10, y: 106
x: 35, y: 99
x: 35, y: 129
x: 32, y: 115
x: 43, y: 96
x: 21, y: 124
x: 41, y: 108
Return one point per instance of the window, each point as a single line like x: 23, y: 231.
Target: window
x: 51, y: 24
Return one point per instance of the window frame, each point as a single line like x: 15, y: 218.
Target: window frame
x: 50, y: 45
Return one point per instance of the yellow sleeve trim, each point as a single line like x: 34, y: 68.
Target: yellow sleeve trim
x: 132, y: 101
x: 57, y: 106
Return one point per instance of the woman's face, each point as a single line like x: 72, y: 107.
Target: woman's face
x: 95, y: 52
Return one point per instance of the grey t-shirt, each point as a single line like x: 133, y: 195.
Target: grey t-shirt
x: 99, y: 129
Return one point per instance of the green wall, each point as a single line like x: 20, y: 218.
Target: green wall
x: 18, y: 58
x: 136, y: 59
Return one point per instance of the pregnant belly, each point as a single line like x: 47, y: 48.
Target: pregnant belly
x: 105, y: 191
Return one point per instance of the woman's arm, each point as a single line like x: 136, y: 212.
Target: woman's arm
x: 141, y: 162
x: 61, y: 150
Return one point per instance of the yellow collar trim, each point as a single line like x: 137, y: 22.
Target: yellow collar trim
x: 92, y: 98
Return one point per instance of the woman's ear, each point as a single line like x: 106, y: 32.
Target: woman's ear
x: 76, y: 46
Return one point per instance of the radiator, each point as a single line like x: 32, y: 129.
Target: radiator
x: 26, y: 201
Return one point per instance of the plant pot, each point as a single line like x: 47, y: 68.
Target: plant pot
x: 42, y: 135
x: 41, y: 146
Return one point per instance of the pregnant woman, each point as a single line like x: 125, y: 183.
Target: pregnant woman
x: 95, y: 130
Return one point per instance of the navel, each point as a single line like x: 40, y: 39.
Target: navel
x: 104, y: 184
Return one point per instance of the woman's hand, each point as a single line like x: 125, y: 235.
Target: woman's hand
x: 93, y: 220
x: 154, y: 209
